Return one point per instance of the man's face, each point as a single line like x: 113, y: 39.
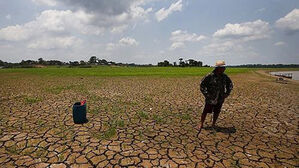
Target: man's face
x: 220, y: 70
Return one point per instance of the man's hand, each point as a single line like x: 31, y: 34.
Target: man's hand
x: 214, y: 102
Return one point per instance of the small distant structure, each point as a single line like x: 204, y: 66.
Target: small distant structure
x: 281, y: 80
x: 40, y: 66
x: 285, y: 75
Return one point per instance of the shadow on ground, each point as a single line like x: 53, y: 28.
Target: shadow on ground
x: 225, y: 130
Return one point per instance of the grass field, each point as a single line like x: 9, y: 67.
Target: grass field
x: 121, y: 71
x: 144, y: 117
x: 130, y: 71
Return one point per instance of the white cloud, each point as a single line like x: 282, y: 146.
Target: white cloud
x: 261, y: 10
x: 176, y: 45
x: 232, y: 41
x: 54, y: 42
x: 220, y: 48
x: 111, y: 46
x: 126, y: 41
x: 6, y: 46
x: 122, y: 21
x: 51, y: 29
x: 8, y: 17
x: 164, y: 13
x: 244, y: 31
x: 51, y: 21
x: 45, y: 2
x: 279, y: 43
x: 139, y: 12
x: 112, y: 15
x: 15, y: 33
x: 63, y: 28
x: 179, y: 38
x: 183, y: 36
x: 119, y: 29
x: 68, y: 21
x: 290, y: 22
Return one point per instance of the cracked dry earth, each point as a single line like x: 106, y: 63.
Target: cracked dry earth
x: 146, y: 122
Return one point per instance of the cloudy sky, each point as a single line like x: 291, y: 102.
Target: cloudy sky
x: 148, y: 31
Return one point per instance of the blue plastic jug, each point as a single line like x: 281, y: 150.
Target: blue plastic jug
x: 79, y: 113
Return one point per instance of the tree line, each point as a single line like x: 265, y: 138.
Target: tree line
x: 186, y: 63
x: 93, y: 61
x: 267, y: 66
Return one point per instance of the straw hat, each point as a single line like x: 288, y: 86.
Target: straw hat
x: 220, y: 63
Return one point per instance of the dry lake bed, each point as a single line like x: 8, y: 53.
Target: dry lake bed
x: 146, y: 122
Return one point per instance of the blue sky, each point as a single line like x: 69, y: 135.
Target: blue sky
x: 148, y: 31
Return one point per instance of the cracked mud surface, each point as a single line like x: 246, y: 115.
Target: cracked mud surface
x: 146, y: 122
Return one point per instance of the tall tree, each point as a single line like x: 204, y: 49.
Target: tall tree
x: 182, y: 63
x: 1, y: 63
x: 41, y: 61
x: 93, y: 60
x: 82, y: 62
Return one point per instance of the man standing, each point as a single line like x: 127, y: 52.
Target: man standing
x: 216, y: 86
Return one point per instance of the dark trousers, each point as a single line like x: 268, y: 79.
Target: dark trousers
x: 209, y: 108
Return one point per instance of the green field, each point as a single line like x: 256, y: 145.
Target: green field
x: 119, y: 71
x: 129, y: 71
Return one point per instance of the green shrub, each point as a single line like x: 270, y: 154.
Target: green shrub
x: 31, y: 100
x: 143, y: 114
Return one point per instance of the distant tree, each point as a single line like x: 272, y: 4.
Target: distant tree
x: 41, y: 61
x: 174, y: 64
x: 102, y: 62
x: 28, y: 62
x: 111, y: 63
x: 194, y: 63
x: 165, y: 63
x: 182, y: 63
x: 93, y: 60
x: 82, y: 62
x: 199, y: 63
x: 181, y: 60
x: 2, y: 63
x: 53, y: 62
x: 75, y: 63
x: 191, y: 62
x: 132, y: 64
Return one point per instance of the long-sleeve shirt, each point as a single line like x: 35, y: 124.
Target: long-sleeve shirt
x: 215, y: 87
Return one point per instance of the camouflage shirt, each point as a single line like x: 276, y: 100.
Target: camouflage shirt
x: 216, y: 88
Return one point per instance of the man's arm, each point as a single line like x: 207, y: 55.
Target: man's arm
x: 229, y: 86
x: 204, y: 85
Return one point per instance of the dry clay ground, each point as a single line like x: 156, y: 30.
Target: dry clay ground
x: 146, y: 122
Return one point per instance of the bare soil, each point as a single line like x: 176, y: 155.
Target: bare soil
x: 146, y: 122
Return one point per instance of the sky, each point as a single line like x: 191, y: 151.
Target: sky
x: 150, y: 31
